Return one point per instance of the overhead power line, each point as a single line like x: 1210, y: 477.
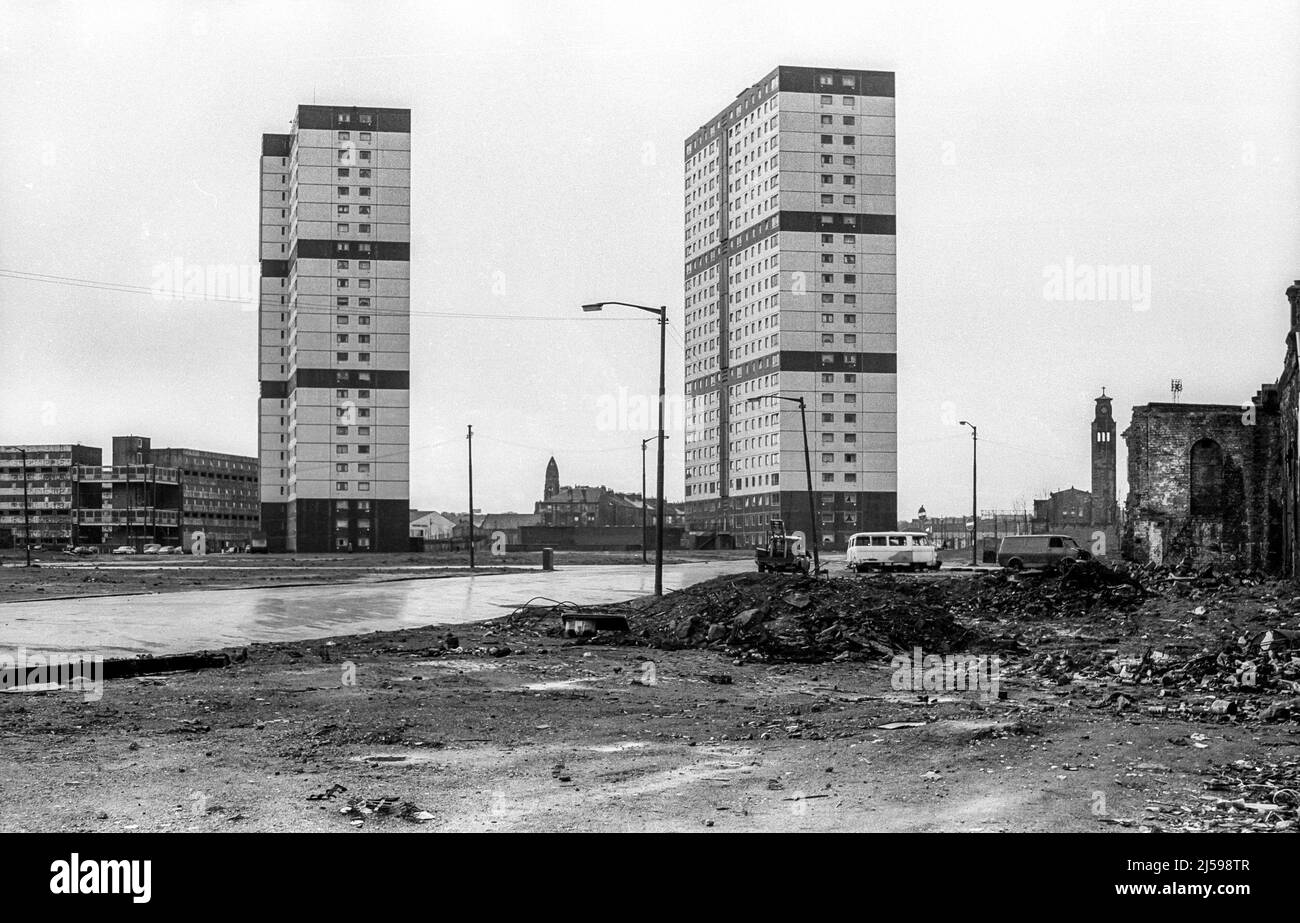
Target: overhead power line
x: 157, y: 295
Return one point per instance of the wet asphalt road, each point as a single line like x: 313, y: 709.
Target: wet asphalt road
x: 168, y: 623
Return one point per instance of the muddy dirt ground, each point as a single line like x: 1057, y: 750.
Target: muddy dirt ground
x: 509, y: 726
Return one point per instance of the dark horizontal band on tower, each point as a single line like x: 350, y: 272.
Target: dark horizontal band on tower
x: 826, y: 81
x: 396, y: 250
x: 354, y: 118
x: 381, y: 379
x: 843, y: 82
x: 794, y: 222
x: 829, y: 499
x: 873, y: 363
x: 842, y: 223
x: 855, y: 509
x: 795, y: 361
x: 275, y: 145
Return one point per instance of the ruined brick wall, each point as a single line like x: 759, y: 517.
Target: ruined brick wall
x: 1288, y: 460
x: 1160, y: 522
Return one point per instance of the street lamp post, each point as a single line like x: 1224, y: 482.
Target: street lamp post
x: 974, y: 502
x: 662, y: 313
x: 644, y: 550
x: 807, y: 467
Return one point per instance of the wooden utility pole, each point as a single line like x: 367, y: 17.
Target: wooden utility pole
x: 470, y: 440
x: 812, y: 506
x: 974, y: 494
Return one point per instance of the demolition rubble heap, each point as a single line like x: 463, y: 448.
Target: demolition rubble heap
x: 789, y: 618
x: 1146, y: 639
x: 1084, y: 588
x: 797, y: 618
x: 1153, y: 641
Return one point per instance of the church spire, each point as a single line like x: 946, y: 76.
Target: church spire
x: 552, y: 486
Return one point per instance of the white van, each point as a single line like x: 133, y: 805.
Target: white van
x: 911, y: 550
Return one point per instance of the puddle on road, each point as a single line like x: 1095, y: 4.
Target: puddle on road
x: 35, y: 687
x: 461, y: 666
x: 912, y: 698
x: 619, y: 748
x: 973, y: 729
x: 708, y: 772
x: 559, y: 684
x: 398, y: 758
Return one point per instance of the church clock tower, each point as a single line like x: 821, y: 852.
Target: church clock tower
x: 1103, y: 463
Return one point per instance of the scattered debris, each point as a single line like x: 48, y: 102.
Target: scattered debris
x: 370, y: 806
x: 190, y: 726
x: 1242, y: 795
x: 579, y: 623
x: 415, y: 813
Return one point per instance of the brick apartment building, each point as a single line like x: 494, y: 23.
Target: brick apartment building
x: 145, y: 495
x: 51, y: 485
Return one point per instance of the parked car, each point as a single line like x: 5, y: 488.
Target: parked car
x: 178, y: 549
x: 153, y: 549
x: 123, y: 549
x: 86, y: 549
x: 911, y: 550
x: 165, y: 549
x: 1047, y: 552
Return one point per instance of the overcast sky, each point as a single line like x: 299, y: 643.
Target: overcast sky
x: 1038, y: 144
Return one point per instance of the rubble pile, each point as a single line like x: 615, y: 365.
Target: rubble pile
x: 1091, y: 587
x: 796, y: 618
x: 1087, y: 586
x: 1254, y: 678
x: 1219, y: 644
x: 1244, y: 795
x: 782, y: 617
x: 1224, y: 646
